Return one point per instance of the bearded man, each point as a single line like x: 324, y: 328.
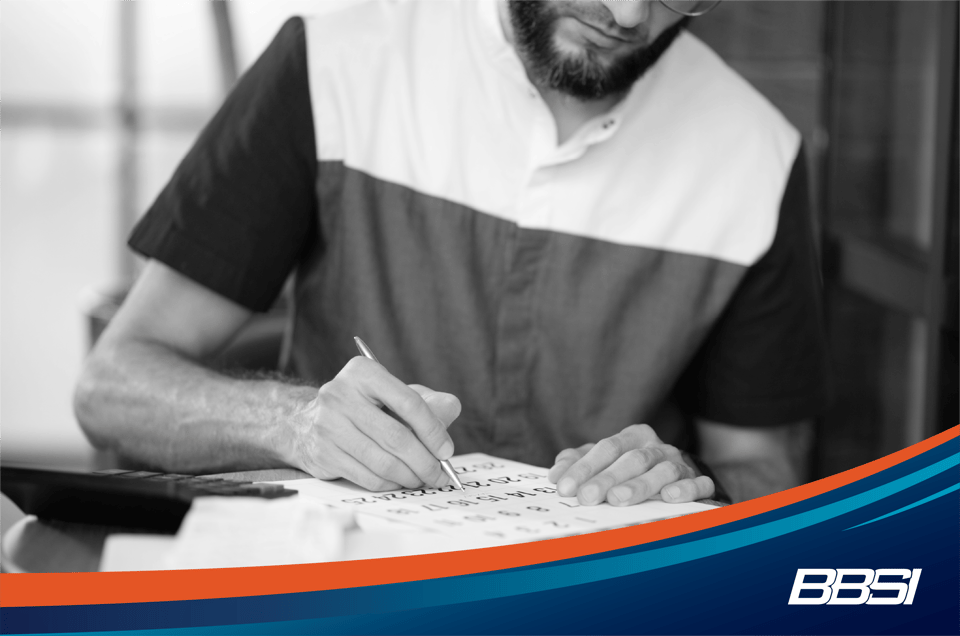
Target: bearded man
x: 570, y: 220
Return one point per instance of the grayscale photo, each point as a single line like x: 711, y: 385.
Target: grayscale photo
x: 310, y: 281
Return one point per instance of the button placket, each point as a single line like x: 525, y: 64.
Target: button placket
x: 515, y: 320
x: 515, y: 336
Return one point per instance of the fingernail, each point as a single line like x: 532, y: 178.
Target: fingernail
x: 446, y: 451
x: 567, y: 487
x: 590, y: 494
x: 619, y: 495
x: 672, y: 492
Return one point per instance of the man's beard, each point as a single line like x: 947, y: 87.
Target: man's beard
x: 583, y: 76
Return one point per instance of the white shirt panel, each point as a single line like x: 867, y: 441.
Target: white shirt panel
x: 430, y: 96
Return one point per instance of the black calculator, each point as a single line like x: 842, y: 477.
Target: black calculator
x: 120, y: 498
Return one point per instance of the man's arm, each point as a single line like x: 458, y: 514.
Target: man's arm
x: 753, y: 462
x: 145, y: 392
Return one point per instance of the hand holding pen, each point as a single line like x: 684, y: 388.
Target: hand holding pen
x: 444, y: 463
x: 344, y: 432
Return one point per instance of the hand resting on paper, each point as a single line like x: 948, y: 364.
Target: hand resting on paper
x: 632, y: 466
x: 344, y: 433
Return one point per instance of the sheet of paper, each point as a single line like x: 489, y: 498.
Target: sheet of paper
x: 135, y: 552
x: 221, y: 532
x: 505, y: 502
x: 201, y: 546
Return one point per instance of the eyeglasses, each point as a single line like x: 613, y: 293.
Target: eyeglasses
x: 691, y: 8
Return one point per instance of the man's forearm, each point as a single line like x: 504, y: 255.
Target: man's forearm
x: 752, y: 462
x: 755, y: 478
x: 153, y: 405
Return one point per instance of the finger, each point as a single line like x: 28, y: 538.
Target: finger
x: 381, y: 463
x: 648, y: 484
x: 685, y: 490
x: 565, y: 459
x: 349, y: 468
x: 376, y: 384
x: 639, y: 435
x: 444, y: 405
x: 603, y: 453
x: 631, y: 464
x: 398, y: 454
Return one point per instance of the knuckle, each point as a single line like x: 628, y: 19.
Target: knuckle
x: 379, y: 462
x: 636, y: 456
x: 656, y: 455
x: 328, y: 390
x: 648, y: 458
x: 354, y: 366
x: 330, y: 397
x: 640, y: 490
x: 394, y: 437
x: 644, y: 430
x: 649, y: 435
x: 410, y: 404
x: 580, y: 471
x: 610, y: 446
x: 673, y: 470
x: 436, y: 435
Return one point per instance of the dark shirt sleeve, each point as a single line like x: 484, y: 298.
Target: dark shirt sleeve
x: 240, y: 208
x: 764, y: 362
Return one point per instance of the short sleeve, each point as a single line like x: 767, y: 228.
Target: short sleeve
x: 240, y: 208
x: 765, y: 360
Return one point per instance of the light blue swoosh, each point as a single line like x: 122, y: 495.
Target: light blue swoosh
x: 945, y: 491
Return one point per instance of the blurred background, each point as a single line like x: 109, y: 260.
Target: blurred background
x: 102, y: 98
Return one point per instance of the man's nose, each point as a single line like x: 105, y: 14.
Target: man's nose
x: 629, y: 13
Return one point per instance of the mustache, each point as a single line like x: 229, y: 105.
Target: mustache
x: 634, y: 35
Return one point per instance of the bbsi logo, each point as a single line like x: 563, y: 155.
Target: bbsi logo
x: 864, y: 587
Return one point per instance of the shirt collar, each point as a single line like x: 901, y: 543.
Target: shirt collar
x: 503, y: 55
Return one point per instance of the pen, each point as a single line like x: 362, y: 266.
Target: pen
x: 444, y: 464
